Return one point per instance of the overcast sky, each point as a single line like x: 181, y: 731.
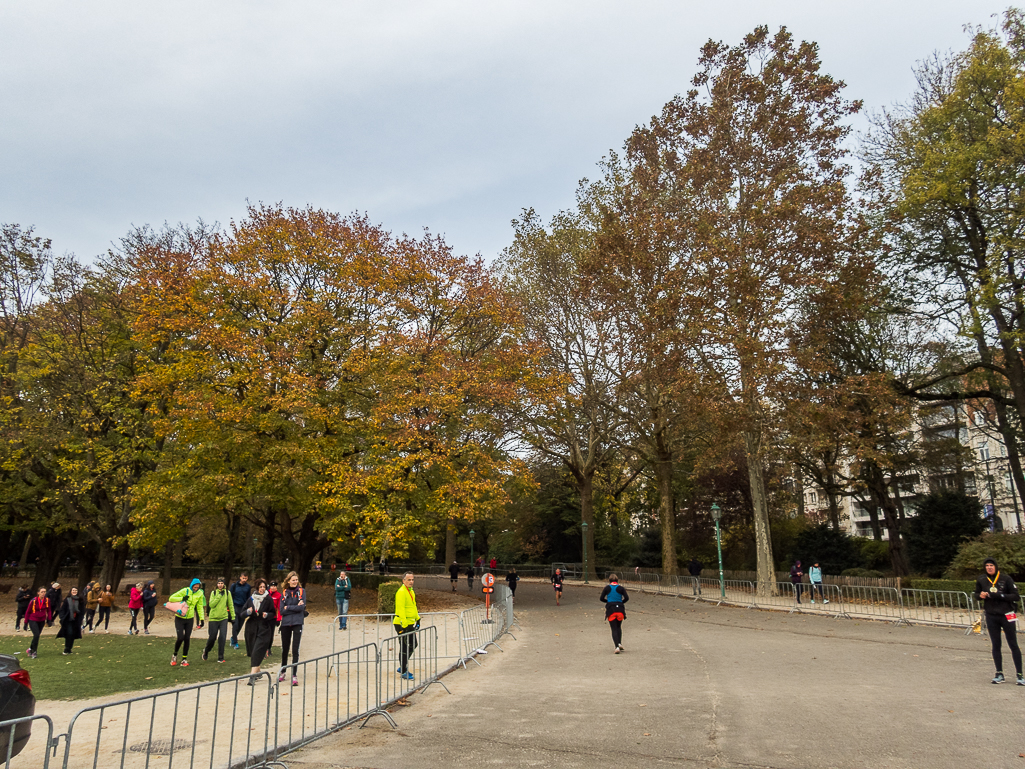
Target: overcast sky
x: 447, y: 115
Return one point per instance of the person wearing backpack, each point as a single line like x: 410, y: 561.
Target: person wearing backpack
x: 150, y: 599
x: 92, y: 603
x: 240, y: 592
x: 220, y: 611
x: 293, y: 614
x: 614, y: 596
x: 38, y: 614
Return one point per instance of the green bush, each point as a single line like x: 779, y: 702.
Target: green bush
x: 944, y: 520
x: 875, y: 554
x: 1006, y: 548
x: 961, y: 585
x: 872, y: 573
x: 386, y: 597
x: 833, y: 550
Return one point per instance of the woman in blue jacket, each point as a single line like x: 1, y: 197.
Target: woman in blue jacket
x: 613, y: 595
x: 293, y: 612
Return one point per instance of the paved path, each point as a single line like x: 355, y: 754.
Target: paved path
x: 701, y: 686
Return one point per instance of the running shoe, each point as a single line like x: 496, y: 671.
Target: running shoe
x: 65, y: 653
x: 295, y: 681
x: 32, y: 654
x: 185, y: 663
x: 174, y: 660
x: 826, y: 601
x: 998, y: 679
x: 621, y: 648
x: 617, y: 651
x: 1021, y: 680
x: 203, y: 656
x: 147, y: 631
x: 407, y: 676
x: 281, y: 678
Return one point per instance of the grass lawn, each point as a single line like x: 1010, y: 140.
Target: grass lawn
x: 108, y: 664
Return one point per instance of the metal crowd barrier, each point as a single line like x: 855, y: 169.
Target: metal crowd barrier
x: 881, y: 603
x: 421, y: 650
x: 377, y: 628
x: 937, y: 607
x: 12, y: 728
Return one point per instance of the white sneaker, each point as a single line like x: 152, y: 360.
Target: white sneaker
x: 825, y: 602
x: 617, y: 651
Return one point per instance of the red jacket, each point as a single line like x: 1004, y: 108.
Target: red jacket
x: 135, y: 602
x: 276, y: 597
x: 39, y: 610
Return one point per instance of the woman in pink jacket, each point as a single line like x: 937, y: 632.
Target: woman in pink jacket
x: 39, y: 612
x: 135, y: 606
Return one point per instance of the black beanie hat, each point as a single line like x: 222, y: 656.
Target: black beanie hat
x: 989, y: 560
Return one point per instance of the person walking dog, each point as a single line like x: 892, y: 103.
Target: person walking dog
x: 194, y: 600
x: 614, y: 596
x: 72, y: 612
x: 343, y: 589
x: 406, y: 622
x: 1000, y: 599
x: 219, y: 612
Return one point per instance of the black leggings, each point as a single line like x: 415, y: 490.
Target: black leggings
x: 183, y: 627
x: 135, y: 620
x: 407, y: 645
x: 217, y: 633
x: 617, y: 631
x: 104, y: 617
x: 90, y: 615
x: 21, y: 617
x: 147, y: 616
x: 994, y: 624
x: 291, y: 635
x: 36, y: 628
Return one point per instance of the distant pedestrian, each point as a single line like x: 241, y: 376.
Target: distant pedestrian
x: 406, y: 622
x: 796, y: 575
x: 92, y: 603
x: 453, y: 573
x: 815, y: 580
x: 493, y: 564
x: 479, y: 565
x: 220, y: 611
x: 134, y: 607
x: 54, y: 596
x: 191, y: 615
x: 240, y: 591
x: 511, y: 579
x: 614, y: 596
x: 293, y: 614
x: 694, y: 569
x: 38, y: 614
x: 72, y: 612
x: 22, y: 601
x: 259, y: 631
x: 343, y: 590
x: 1000, y: 599
x: 150, y: 599
x: 275, y: 595
x: 107, y: 600
x: 557, y: 585
x: 469, y: 577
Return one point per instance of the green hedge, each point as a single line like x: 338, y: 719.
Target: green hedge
x: 960, y: 585
x: 386, y: 597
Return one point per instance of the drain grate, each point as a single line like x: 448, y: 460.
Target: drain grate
x: 160, y: 747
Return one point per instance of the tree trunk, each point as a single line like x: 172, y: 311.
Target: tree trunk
x: 165, y: 585
x: 877, y: 487
x: 1013, y: 457
x: 113, y: 564
x: 86, y: 565
x: 269, y: 529
x: 873, y: 518
x: 760, y: 509
x: 179, y: 552
x: 450, y: 541
x: 586, y: 488
x: 305, y: 547
x: 23, y: 561
x: 664, y: 478
x: 234, y: 529
x: 52, y: 549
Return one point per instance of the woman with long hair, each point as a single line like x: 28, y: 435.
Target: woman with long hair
x: 39, y: 612
x: 135, y: 606
x: 92, y: 603
x: 260, y: 618
x: 71, y: 616
x: 106, y: 604
x: 293, y: 612
x: 150, y: 599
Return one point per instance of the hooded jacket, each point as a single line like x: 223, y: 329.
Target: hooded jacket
x: 194, y: 599
x: 1003, y: 593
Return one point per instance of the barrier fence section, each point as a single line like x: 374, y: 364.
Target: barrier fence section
x: 17, y: 729
x: 937, y: 607
x: 377, y: 628
x: 881, y: 603
x: 236, y: 728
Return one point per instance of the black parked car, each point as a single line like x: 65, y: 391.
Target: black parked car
x: 16, y: 701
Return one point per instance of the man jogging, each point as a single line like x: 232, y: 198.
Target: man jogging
x: 406, y: 622
x: 240, y: 592
x: 1000, y: 599
x: 613, y: 595
x: 557, y: 584
x: 453, y: 573
x: 694, y: 568
x: 512, y: 578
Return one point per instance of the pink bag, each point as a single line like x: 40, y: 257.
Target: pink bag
x: 180, y: 609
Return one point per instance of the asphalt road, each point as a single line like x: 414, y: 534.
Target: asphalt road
x: 701, y: 686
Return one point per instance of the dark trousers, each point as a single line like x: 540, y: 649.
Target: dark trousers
x: 217, y: 631
x: 69, y: 642
x: 994, y: 624
x: 36, y: 628
x: 797, y: 590
x: 21, y: 617
x: 236, y: 626
x: 104, y: 617
x: 407, y: 645
x: 135, y: 620
x: 617, y: 631
x: 291, y: 636
x: 147, y: 616
x: 183, y: 629
x: 816, y: 586
x: 90, y: 615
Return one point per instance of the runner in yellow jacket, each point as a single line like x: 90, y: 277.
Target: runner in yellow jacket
x: 407, y: 621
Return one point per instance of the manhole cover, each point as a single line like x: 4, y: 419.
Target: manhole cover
x: 160, y: 747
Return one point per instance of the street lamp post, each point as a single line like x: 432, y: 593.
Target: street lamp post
x: 716, y: 515
x: 583, y: 527
x: 472, y: 567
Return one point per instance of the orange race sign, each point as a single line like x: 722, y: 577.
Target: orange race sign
x: 488, y: 581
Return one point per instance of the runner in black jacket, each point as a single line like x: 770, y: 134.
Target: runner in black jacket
x: 557, y: 584
x: 613, y: 595
x: 1000, y: 600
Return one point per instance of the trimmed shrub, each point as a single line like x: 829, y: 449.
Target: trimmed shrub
x: 961, y: 585
x: 833, y: 550
x: 386, y: 597
x: 871, y: 573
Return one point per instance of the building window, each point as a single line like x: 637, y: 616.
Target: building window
x: 983, y: 449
